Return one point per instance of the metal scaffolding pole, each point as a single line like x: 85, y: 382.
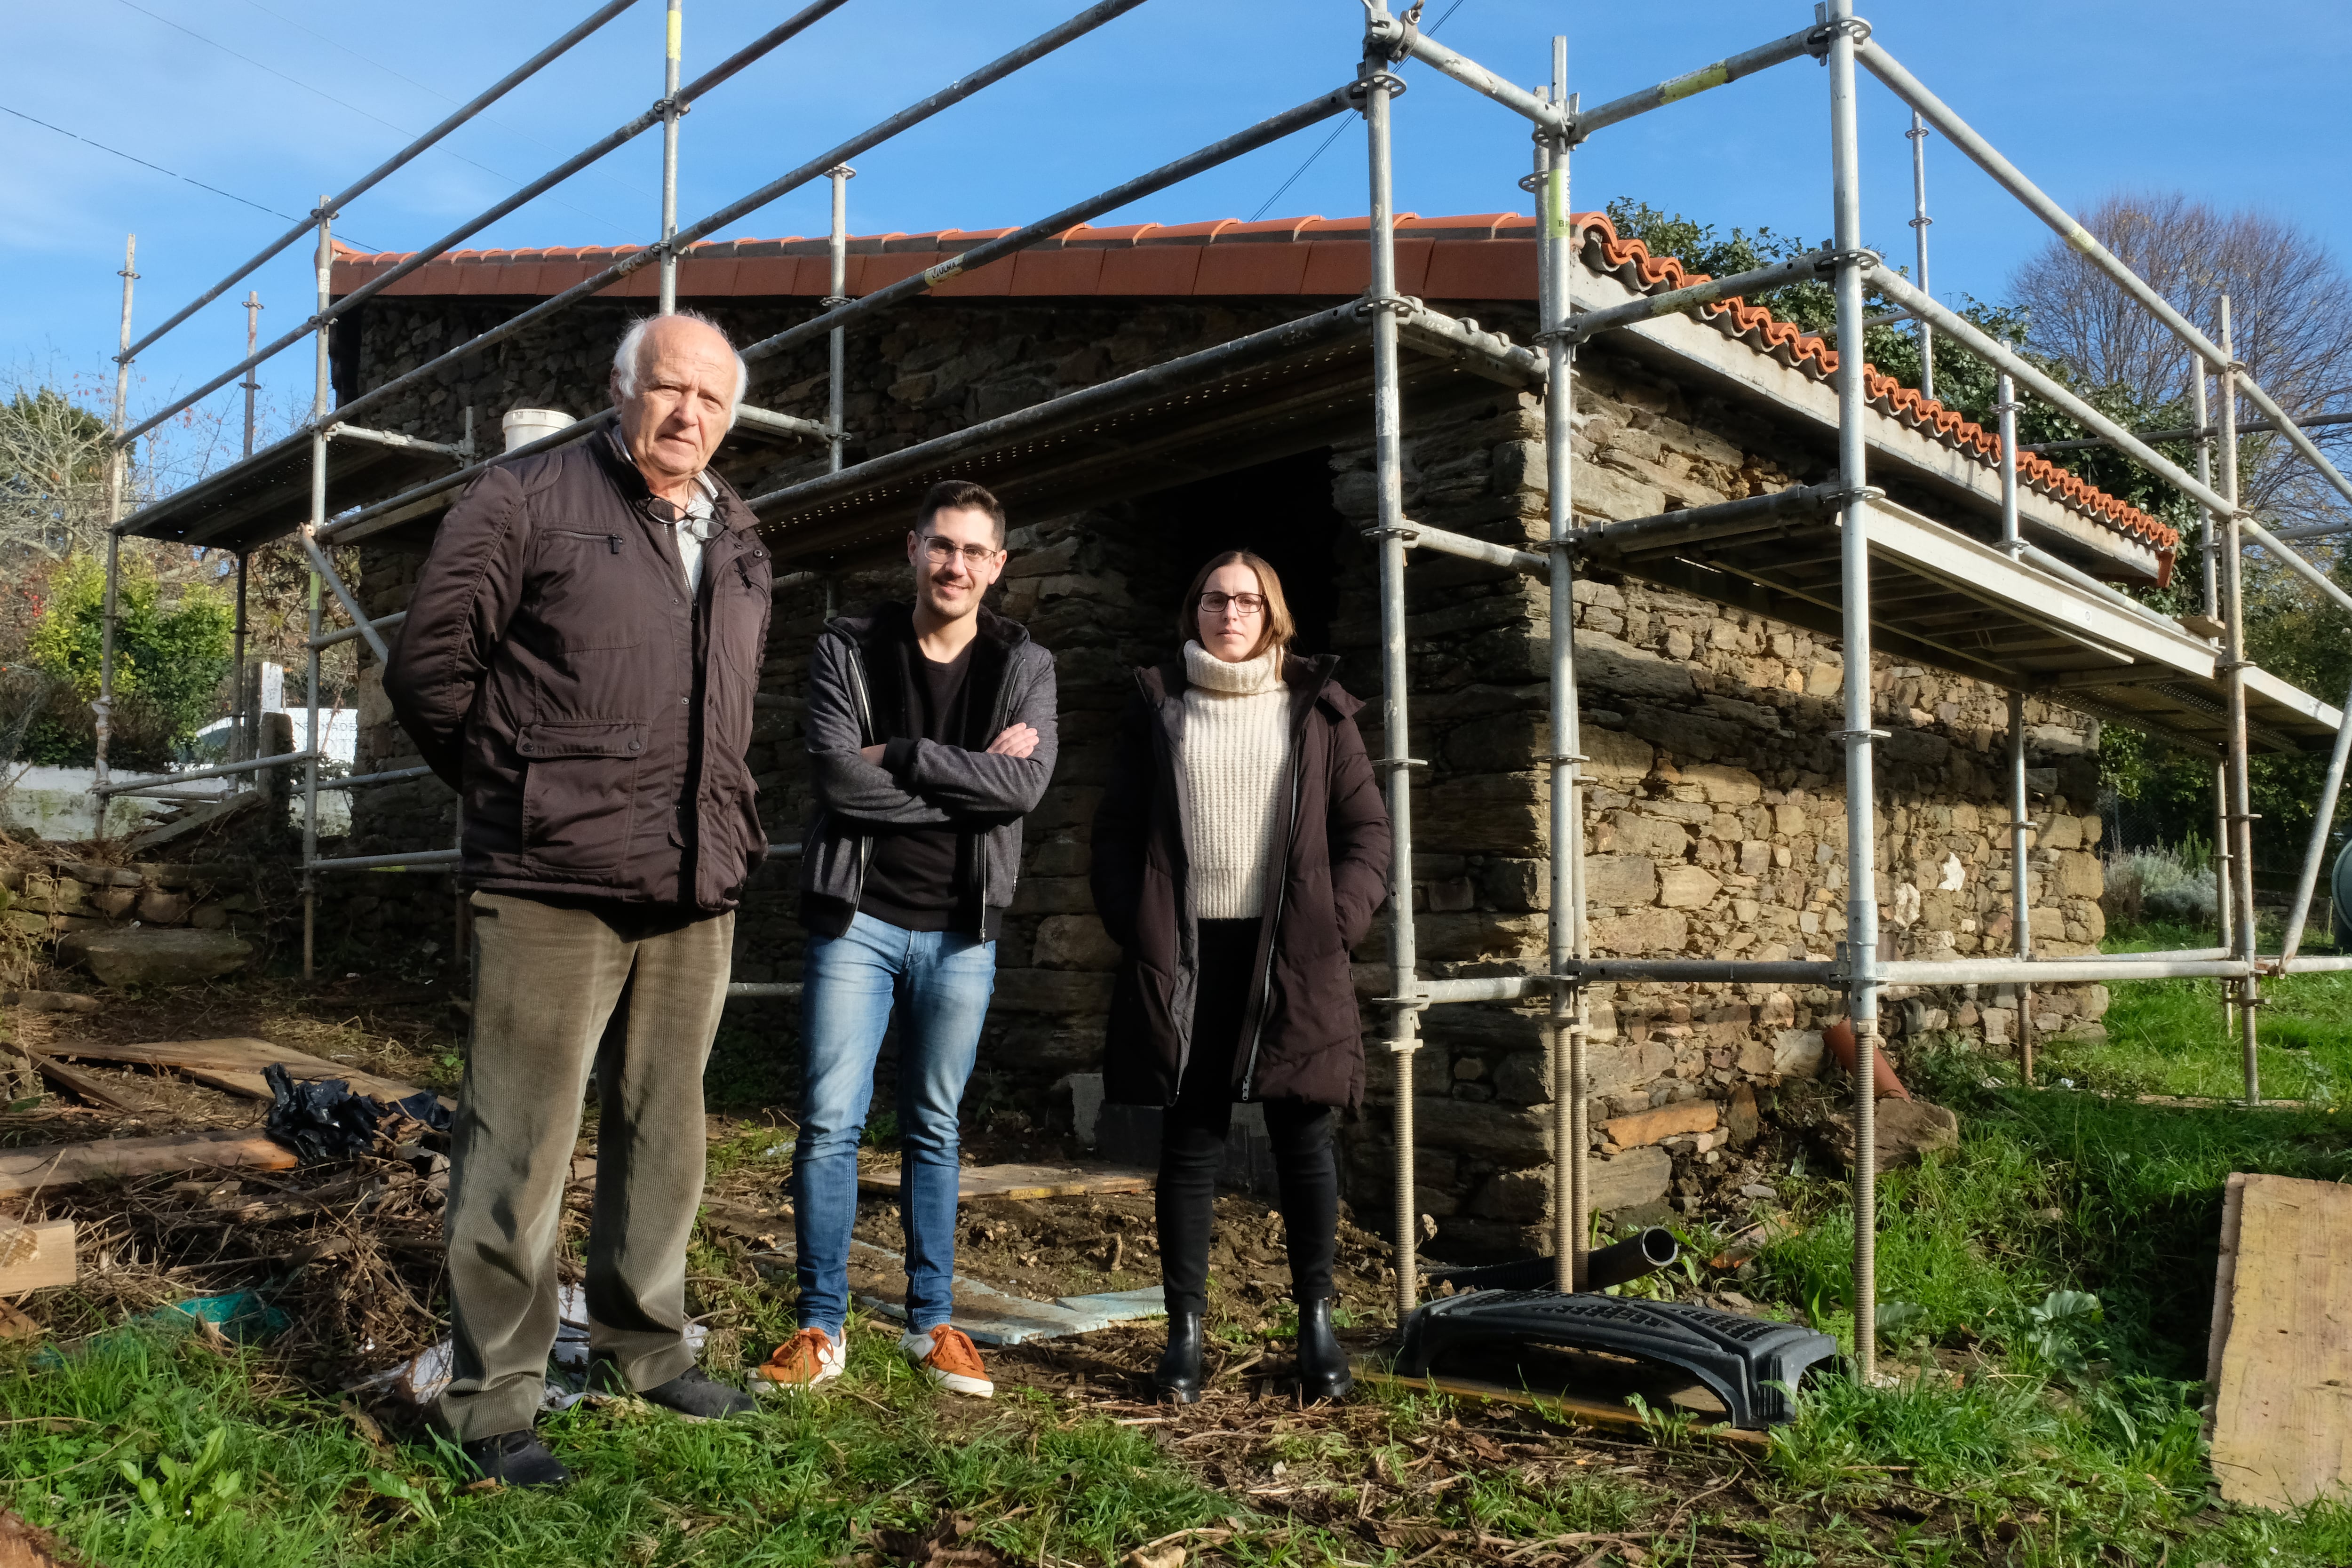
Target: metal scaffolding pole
x: 1388, y: 534
x: 2323, y: 821
x: 118, y: 462
x: 1571, y: 1200
x: 2208, y: 549
x: 489, y: 95
x: 837, y: 394
x: 1861, y: 814
x: 1918, y: 136
x: 2021, y: 906
x: 322, y: 394
x: 734, y: 63
x: 241, y: 723
x: 2233, y: 667
x: 2012, y: 540
x: 670, y: 111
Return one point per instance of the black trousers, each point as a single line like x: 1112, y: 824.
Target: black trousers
x: 1192, y: 1141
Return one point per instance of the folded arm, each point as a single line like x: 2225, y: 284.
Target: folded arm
x: 846, y: 783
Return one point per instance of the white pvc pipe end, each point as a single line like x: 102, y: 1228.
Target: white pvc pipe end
x: 526, y: 425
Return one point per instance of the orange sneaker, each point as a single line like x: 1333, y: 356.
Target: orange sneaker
x: 946, y: 1356
x: 807, y: 1359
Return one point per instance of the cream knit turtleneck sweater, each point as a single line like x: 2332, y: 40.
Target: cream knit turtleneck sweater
x: 1237, y: 749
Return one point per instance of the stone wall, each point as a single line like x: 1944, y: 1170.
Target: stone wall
x: 1715, y: 818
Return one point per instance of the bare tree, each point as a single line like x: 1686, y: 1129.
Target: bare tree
x: 2287, y: 317
x: 54, y: 454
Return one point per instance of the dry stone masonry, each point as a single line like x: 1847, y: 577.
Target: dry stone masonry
x: 1714, y: 816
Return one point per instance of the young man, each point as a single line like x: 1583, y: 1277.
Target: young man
x: 932, y: 734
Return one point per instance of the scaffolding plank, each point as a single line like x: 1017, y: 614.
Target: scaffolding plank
x: 1025, y: 1181
x: 2283, y: 1407
x: 57, y: 1167
x: 235, y: 1065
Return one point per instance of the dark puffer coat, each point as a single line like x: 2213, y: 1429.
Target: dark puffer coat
x: 1300, y: 1037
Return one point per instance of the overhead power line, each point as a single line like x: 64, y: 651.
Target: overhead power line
x: 1294, y: 174
x: 159, y: 168
x: 340, y: 103
x: 434, y: 91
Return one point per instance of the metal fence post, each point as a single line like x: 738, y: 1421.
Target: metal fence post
x: 1388, y: 534
x: 1861, y: 815
x: 670, y: 113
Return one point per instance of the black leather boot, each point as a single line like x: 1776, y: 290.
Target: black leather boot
x: 1178, y: 1379
x: 1323, y: 1372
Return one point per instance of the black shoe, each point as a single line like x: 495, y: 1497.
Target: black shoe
x: 1178, y: 1379
x: 1323, y: 1371
x: 690, y: 1392
x: 516, y: 1459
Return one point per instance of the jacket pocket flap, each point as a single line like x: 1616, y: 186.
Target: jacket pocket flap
x: 583, y: 738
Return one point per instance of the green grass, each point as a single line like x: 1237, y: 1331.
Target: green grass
x: 2079, y: 1411
x: 2167, y: 1037
x: 800, y: 1483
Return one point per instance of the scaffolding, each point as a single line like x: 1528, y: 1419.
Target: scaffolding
x: 1831, y: 557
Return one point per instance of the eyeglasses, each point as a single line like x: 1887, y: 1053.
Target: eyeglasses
x: 1251, y: 605
x: 942, y: 550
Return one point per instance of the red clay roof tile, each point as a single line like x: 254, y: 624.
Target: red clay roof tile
x: 1471, y: 256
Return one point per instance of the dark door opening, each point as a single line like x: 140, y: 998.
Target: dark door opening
x: 1282, y: 511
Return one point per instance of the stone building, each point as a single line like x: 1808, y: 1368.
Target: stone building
x: 1715, y: 818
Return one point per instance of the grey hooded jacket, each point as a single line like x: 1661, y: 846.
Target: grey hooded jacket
x: 920, y: 781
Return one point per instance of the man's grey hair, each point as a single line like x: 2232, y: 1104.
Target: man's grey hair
x: 627, y: 358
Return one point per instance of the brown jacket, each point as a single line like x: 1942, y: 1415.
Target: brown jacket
x: 592, y: 714
x: 1301, y: 1038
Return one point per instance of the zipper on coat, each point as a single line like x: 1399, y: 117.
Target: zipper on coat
x: 1281, y: 892
x: 864, y: 738
x: 1274, y: 933
x: 980, y: 857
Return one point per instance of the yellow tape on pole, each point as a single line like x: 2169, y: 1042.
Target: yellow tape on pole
x: 676, y: 23
x: 1698, y: 82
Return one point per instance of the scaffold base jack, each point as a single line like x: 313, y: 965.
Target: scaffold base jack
x: 1751, y: 1364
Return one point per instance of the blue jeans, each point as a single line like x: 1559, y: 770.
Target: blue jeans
x: 941, y: 981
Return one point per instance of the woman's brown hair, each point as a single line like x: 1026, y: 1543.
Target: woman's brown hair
x: 1279, y: 627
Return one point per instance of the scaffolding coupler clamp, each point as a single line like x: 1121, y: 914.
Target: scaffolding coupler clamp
x: 1817, y: 42
x: 1862, y: 256
x: 1399, y: 762
x: 1837, y: 500
x: 1403, y: 304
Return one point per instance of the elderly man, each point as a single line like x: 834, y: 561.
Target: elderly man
x: 578, y: 662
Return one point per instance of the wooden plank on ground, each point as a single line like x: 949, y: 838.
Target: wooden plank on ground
x: 78, y: 1084
x: 53, y: 1167
x: 2283, y: 1407
x: 1025, y: 1181
x: 1567, y: 1406
x: 233, y: 1066
x: 51, y: 1263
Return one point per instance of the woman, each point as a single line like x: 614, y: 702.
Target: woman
x: 1240, y: 850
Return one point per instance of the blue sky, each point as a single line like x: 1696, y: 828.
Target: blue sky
x: 2086, y: 97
